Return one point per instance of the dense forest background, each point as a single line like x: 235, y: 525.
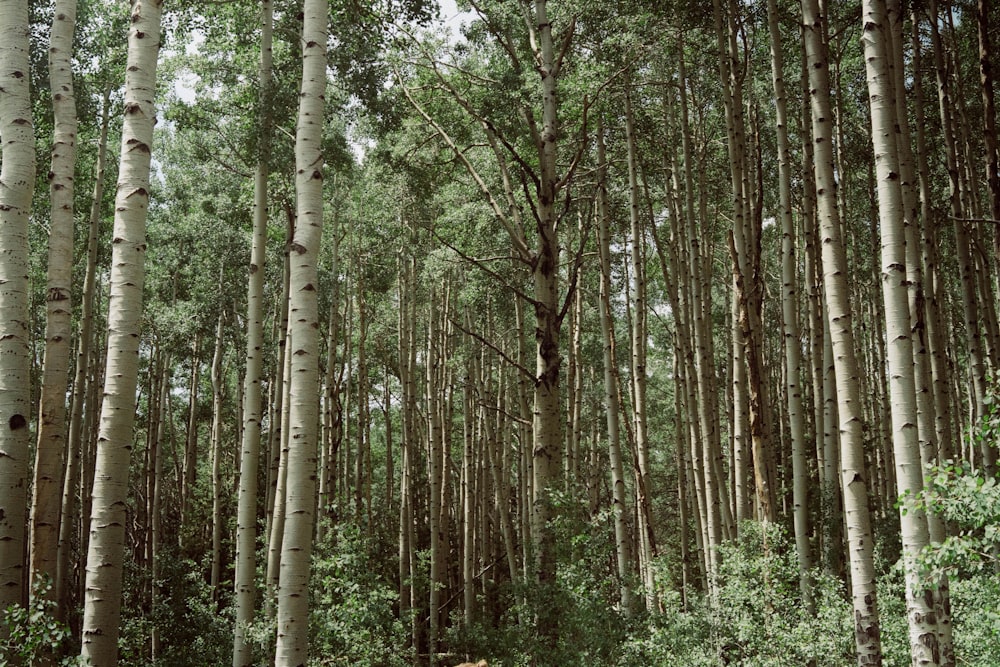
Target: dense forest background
x: 549, y: 333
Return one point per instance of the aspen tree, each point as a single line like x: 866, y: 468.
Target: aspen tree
x: 920, y: 310
x: 646, y: 541
x: 102, y: 607
x: 246, y: 520
x: 909, y: 473
x: 745, y: 251
x: 966, y: 263
x: 435, y: 390
x: 790, y: 315
x: 293, y: 588
x: 17, y: 180
x: 189, y: 472
x: 51, y: 442
x: 77, y: 435
x: 468, y: 486
x: 215, y: 447
x: 841, y: 333
x: 620, y: 504
x: 986, y: 81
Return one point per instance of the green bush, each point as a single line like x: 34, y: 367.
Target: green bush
x: 352, y: 619
x: 757, y: 618
x: 33, y: 632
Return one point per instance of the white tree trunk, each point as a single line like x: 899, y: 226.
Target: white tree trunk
x: 899, y: 354
x: 51, y: 442
x: 102, y: 607
x: 246, y: 520
x: 620, y: 506
x: 293, y: 587
x: 790, y: 317
x: 839, y: 321
x: 17, y: 180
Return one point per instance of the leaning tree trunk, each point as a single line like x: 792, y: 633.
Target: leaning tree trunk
x: 17, y: 180
x: 102, y: 608
x: 293, y: 587
x: 839, y: 321
x: 51, y: 442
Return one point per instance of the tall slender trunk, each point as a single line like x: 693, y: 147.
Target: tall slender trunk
x: 102, y: 609
x: 620, y: 505
x: 51, y: 442
x: 218, y: 390
x: 190, y: 468
x: 547, y: 422
x: 81, y: 379
x: 156, y: 497
x: 17, y: 178
x: 246, y: 519
x: 790, y: 317
x: 436, y: 454
x: 293, y: 588
x: 906, y: 447
x: 970, y: 302
x: 852, y: 472
x: 646, y: 541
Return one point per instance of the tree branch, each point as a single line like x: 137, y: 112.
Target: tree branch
x: 518, y: 241
x: 495, y: 348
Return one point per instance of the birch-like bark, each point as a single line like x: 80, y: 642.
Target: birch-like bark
x: 547, y: 421
x: 646, y: 541
x: 790, y: 316
x: 51, y: 442
x: 852, y: 471
x: 215, y: 447
x: 17, y: 179
x: 81, y: 379
x: 970, y: 302
x: 620, y: 506
x: 435, y: 390
x: 190, y: 467
x: 906, y: 447
x: 296, y: 550
x: 246, y: 517
x: 102, y: 607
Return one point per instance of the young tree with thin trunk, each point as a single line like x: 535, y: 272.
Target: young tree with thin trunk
x: 619, y: 498
x: 790, y: 316
x: 17, y: 180
x: 102, y: 608
x: 293, y: 588
x: 47, y: 487
x: 77, y: 435
x: 246, y: 530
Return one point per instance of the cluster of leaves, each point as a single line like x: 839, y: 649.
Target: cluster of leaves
x: 353, y: 619
x: 194, y: 624
x: 31, y: 633
x: 756, y: 618
x: 582, y: 601
x: 970, y: 502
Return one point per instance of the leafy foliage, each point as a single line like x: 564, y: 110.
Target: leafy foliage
x: 33, y: 632
x: 353, y: 619
x: 756, y: 619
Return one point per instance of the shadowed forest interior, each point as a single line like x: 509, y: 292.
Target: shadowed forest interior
x: 522, y: 332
